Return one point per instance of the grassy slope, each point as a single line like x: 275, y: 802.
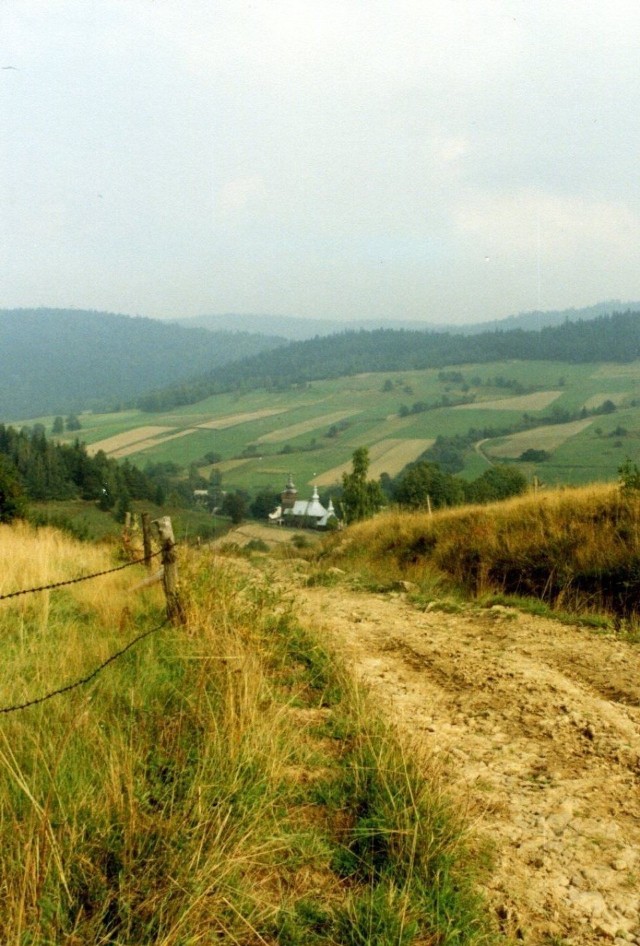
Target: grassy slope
x: 221, y: 781
x: 577, y: 550
x: 590, y: 455
x: 86, y: 521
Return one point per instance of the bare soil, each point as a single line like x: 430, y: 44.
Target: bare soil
x: 537, y: 729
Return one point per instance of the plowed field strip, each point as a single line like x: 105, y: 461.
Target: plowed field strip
x: 153, y: 442
x: 523, y: 402
x: 295, y: 430
x: 233, y: 420
x: 549, y: 437
x: 387, y: 456
x: 118, y: 441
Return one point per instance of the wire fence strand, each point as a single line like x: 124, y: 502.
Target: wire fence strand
x: 75, y: 581
x: 94, y: 673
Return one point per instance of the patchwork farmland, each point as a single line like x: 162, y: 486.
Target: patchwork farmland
x: 548, y: 438
x: 387, y: 456
x: 255, y: 439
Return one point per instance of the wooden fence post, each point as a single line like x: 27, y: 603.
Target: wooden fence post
x: 146, y: 538
x: 126, y: 534
x: 175, y: 609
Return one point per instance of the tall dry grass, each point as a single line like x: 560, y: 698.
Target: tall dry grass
x: 222, y: 782
x: 574, y: 548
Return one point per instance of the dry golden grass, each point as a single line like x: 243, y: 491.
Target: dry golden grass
x: 207, y: 786
x: 523, y: 402
x: 576, y: 548
x: 548, y: 437
x: 295, y: 430
x: 119, y: 441
x: 233, y: 420
x: 387, y: 456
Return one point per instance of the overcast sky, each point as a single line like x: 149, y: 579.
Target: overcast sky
x: 441, y: 160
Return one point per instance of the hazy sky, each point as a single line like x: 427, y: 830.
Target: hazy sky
x: 425, y: 159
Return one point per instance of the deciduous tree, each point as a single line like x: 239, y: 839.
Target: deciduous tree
x: 361, y: 498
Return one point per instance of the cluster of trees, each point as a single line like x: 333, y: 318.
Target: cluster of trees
x: 61, y: 424
x: 33, y: 468
x: 425, y: 484
x: 609, y: 338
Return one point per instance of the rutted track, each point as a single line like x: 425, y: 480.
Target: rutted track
x: 537, y: 725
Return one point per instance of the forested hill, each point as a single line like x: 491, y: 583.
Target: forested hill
x: 297, y: 329
x: 609, y: 338
x: 56, y: 361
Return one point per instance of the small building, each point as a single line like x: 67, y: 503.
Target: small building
x: 301, y: 513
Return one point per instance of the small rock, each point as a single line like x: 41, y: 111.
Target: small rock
x: 591, y: 903
x: 408, y: 586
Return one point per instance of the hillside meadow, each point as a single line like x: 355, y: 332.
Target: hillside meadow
x: 572, y: 550
x: 258, y: 437
x: 220, y: 781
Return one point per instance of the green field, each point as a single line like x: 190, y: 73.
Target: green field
x: 314, y: 429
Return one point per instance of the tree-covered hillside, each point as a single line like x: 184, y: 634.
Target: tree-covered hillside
x: 609, y: 338
x: 60, y: 360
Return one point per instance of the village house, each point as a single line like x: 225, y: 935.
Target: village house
x: 301, y: 513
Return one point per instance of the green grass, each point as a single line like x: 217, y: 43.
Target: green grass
x: 225, y: 781
x: 86, y: 522
x: 583, y: 458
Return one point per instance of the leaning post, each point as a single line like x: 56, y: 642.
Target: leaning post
x: 175, y: 609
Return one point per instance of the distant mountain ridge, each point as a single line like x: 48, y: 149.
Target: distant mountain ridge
x: 60, y: 361
x: 298, y: 329
x: 614, y: 338
x: 57, y: 361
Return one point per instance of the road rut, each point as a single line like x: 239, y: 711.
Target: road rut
x: 537, y: 726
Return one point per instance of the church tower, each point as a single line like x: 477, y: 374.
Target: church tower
x: 289, y: 494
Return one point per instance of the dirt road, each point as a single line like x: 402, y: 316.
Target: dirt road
x: 537, y: 725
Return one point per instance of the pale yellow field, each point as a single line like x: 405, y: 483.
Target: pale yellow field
x: 524, y: 402
x: 539, y: 438
x: 111, y: 444
x: 152, y: 442
x: 386, y: 456
x: 232, y: 420
x: 286, y: 433
x: 618, y: 371
x: 227, y: 465
x: 597, y: 399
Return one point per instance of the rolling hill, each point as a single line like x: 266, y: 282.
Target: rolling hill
x: 68, y: 360
x: 613, y: 338
x: 297, y: 329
